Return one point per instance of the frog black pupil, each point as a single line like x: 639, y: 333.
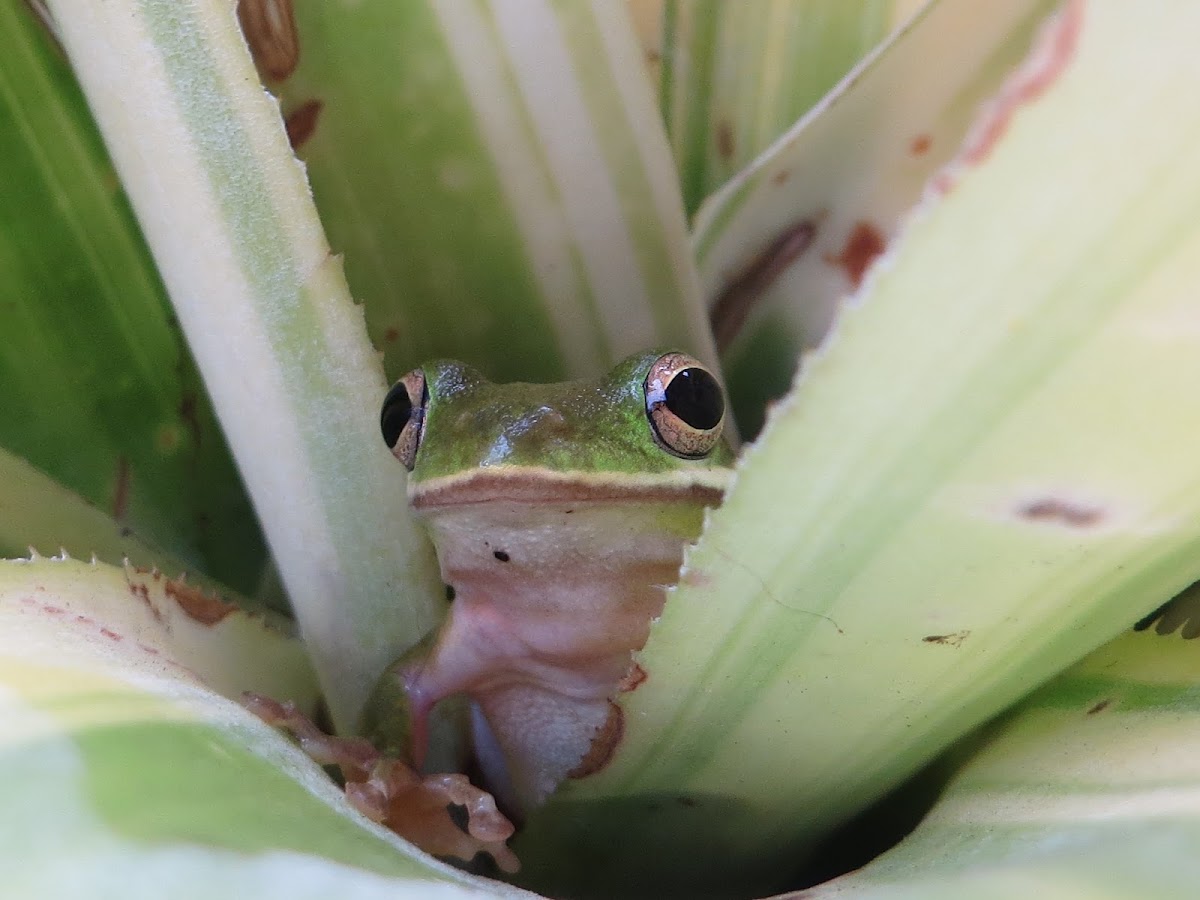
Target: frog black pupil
x: 397, y: 410
x: 695, y: 397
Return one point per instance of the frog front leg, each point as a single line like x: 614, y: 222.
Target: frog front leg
x: 536, y: 714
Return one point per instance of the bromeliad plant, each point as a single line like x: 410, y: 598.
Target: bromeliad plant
x: 978, y: 245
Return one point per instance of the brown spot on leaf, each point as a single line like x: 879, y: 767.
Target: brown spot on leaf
x: 1101, y: 706
x: 391, y: 335
x: 632, y: 680
x: 781, y: 176
x: 862, y: 246
x: 1062, y: 512
x: 949, y: 640
x: 270, y: 30
x: 920, y: 145
x: 608, y: 736
x: 724, y: 139
x: 301, y: 123
x: 197, y: 605
x: 742, y: 293
x: 142, y: 592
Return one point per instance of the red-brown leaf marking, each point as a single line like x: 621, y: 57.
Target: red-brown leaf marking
x: 1052, y: 50
x: 724, y: 139
x: 1063, y: 512
x: 862, y: 246
x: 301, y: 122
x: 742, y: 293
x: 197, y: 605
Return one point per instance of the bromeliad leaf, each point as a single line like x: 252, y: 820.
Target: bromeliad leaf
x: 1090, y: 788
x: 99, y: 390
x: 510, y: 200
x: 127, y: 768
x: 783, y: 243
x: 268, y: 316
x: 978, y: 481
x: 736, y: 75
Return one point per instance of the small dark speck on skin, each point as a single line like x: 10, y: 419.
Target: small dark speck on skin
x: 449, y: 593
x: 501, y: 555
x: 1101, y: 706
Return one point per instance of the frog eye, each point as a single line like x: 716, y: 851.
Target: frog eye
x: 685, y: 404
x: 402, y: 419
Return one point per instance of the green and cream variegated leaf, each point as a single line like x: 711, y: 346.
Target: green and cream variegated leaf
x: 37, y: 513
x: 983, y: 475
x: 510, y: 199
x: 226, y: 210
x: 98, y: 388
x: 782, y: 245
x: 1090, y: 788
x: 737, y: 75
x: 126, y: 773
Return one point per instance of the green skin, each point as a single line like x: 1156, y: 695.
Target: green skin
x: 602, y: 426
x: 558, y: 519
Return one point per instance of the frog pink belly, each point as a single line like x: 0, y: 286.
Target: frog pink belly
x: 551, y: 601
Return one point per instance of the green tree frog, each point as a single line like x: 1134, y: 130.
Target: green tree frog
x: 559, y: 513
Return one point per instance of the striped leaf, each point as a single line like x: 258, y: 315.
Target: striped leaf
x: 981, y: 477
x: 127, y: 772
x: 1089, y: 789
x: 784, y: 243
x: 99, y: 390
x: 497, y: 177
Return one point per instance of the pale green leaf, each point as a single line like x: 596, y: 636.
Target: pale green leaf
x: 126, y: 773
x: 736, y: 75
x: 985, y: 473
x: 99, y: 390
x: 1090, y: 789
x: 284, y: 354
x: 38, y: 513
x: 787, y: 239
x: 498, y: 179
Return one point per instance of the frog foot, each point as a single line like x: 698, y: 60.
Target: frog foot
x: 390, y: 792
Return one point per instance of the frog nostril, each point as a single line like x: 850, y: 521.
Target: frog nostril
x: 501, y: 555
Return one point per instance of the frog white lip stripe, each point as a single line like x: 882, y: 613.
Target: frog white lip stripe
x: 531, y: 484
